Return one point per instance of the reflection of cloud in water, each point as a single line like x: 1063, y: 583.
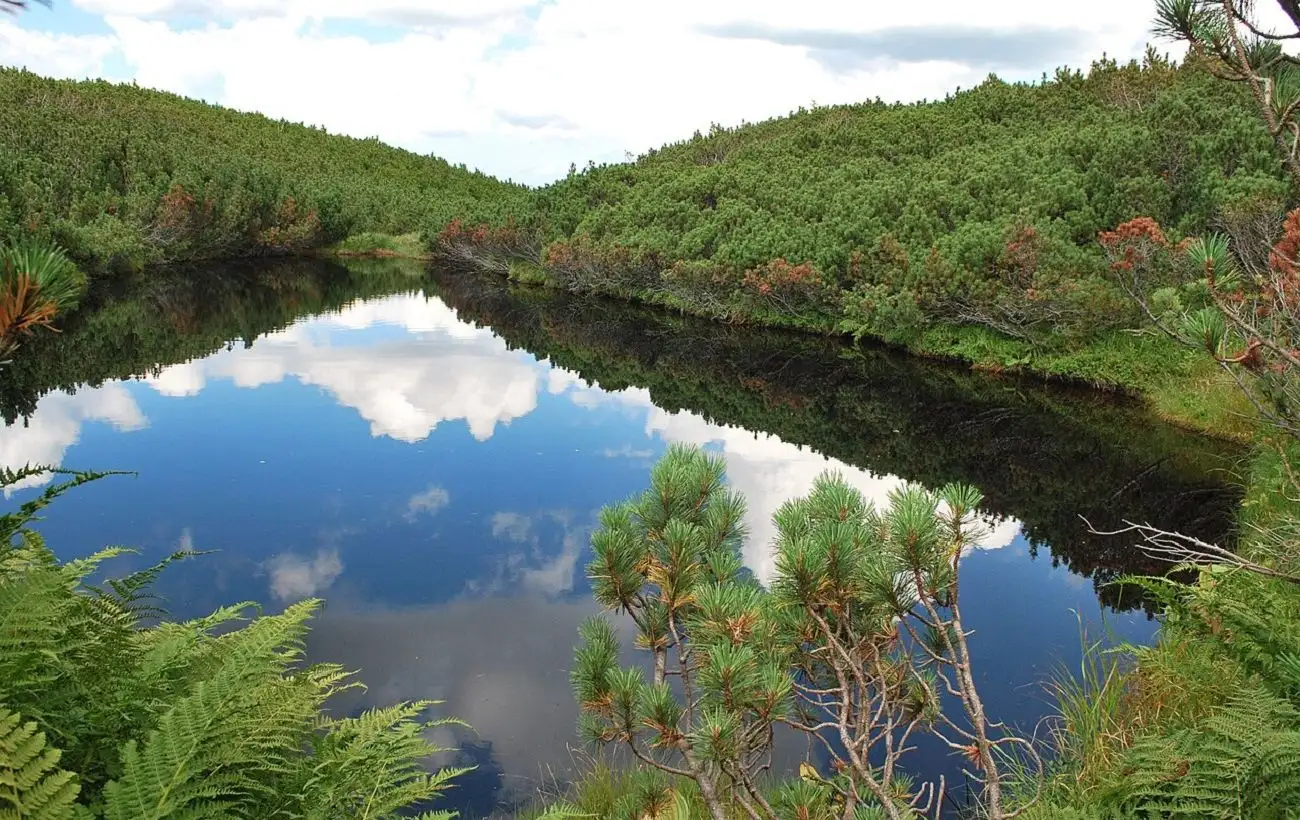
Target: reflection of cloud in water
x: 998, y: 533
x: 502, y: 665
x: 179, y: 380
x: 556, y: 575
x: 511, y: 526
x: 428, y: 502
x: 294, y: 577
x: 627, y: 451
x: 445, y: 369
x: 56, y: 426
x: 535, y: 569
x: 404, y: 387
x: 767, y: 470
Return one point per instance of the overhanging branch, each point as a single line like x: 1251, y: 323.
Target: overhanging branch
x: 1177, y: 548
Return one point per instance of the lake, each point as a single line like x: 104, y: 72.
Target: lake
x: 427, y: 451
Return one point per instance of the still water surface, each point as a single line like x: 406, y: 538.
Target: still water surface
x: 430, y: 459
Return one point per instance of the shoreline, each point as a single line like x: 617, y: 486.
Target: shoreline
x: 1163, y: 390
x: 1215, y: 418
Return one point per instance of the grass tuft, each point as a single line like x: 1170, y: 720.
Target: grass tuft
x: 381, y: 244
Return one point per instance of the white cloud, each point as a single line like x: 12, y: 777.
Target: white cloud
x: 45, y: 437
x: 428, y: 502
x: 521, y: 88
x: 294, y: 577
x: 55, y: 55
x: 410, y: 12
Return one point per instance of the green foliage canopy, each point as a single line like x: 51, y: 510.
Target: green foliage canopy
x: 882, y: 220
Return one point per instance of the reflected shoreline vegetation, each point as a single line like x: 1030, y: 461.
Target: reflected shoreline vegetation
x: 1043, y: 455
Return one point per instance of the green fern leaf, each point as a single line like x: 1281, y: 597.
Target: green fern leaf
x: 369, y: 766
x: 1243, y: 761
x: 31, y: 783
x: 217, y: 747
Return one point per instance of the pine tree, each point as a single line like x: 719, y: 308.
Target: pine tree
x: 853, y: 644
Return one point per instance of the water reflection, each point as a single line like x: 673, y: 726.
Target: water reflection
x: 404, y: 363
x: 47, y: 435
x: 1044, y: 457
x: 498, y: 662
x: 433, y: 465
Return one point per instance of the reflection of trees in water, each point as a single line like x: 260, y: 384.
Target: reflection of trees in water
x: 1043, y: 455
x: 168, y: 316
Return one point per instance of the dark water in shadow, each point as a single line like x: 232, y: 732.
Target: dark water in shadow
x: 428, y: 450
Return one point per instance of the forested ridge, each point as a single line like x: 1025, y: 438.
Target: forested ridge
x: 124, y: 177
x: 1075, y: 154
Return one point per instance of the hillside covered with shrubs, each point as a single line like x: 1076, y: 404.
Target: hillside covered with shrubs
x: 124, y: 177
x: 972, y: 225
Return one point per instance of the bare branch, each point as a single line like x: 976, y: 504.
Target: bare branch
x: 1177, y: 548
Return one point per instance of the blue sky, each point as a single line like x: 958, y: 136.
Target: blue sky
x: 523, y: 88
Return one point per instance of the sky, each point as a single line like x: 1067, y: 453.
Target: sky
x: 522, y: 88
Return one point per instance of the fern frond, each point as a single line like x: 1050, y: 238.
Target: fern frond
x: 370, y: 765
x: 217, y: 747
x: 1243, y: 761
x: 218, y: 717
x: 31, y: 783
x: 76, y: 571
x: 171, y: 654
x: 12, y: 476
x: 132, y: 593
x: 36, y: 613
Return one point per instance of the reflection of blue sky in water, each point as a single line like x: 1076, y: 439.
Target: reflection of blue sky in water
x: 438, y: 490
